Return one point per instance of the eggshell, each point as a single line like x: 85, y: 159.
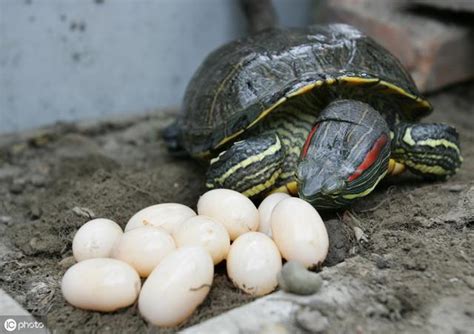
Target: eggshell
x: 235, y: 211
x: 206, y: 232
x: 95, y: 239
x: 299, y: 232
x: 166, y: 215
x: 177, y: 286
x: 143, y: 248
x: 253, y: 263
x: 265, y: 211
x: 102, y: 285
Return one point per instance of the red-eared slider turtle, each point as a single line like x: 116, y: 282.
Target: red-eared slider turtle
x: 323, y: 111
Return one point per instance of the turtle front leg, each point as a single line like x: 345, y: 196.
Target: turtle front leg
x: 428, y: 149
x: 251, y: 166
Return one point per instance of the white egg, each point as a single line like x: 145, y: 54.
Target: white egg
x: 253, y: 263
x: 96, y: 238
x: 166, y: 215
x: 206, y: 232
x: 299, y: 232
x: 102, y: 285
x: 232, y: 209
x: 143, y: 248
x: 177, y: 286
x: 265, y: 211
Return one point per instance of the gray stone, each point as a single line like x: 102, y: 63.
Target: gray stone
x: 295, y: 278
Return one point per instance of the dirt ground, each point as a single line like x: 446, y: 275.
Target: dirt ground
x: 418, y: 240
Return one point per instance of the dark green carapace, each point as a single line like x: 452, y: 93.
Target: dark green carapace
x: 323, y: 111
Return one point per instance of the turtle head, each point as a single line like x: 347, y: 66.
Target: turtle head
x: 345, y: 155
x: 314, y: 177
x: 321, y: 179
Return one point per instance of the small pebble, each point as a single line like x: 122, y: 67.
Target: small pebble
x: 35, y: 212
x: 67, y: 262
x: 376, y: 310
x: 84, y: 212
x: 17, y: 186
x: 295, y: 278
x: 5, y: 219
x: 381, y: 262
x: 360, y: 234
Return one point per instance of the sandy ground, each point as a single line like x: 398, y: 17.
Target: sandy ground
x: 415, y: 263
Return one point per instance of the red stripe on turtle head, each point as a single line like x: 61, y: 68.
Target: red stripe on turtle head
x: 371, y: 157
x: 304, y: 151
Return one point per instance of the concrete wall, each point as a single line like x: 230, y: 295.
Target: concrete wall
x: 83, y: 59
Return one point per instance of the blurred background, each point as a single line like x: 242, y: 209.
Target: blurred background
x: 83, y: 59
x: 67, y: 60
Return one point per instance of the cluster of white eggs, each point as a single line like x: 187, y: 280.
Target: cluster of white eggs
x: 175, y: 250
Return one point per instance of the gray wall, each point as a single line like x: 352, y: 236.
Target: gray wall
x: 84, y: 59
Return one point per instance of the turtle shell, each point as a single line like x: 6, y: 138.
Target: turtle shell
x: 242, y: 82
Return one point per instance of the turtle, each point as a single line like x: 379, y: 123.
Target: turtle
x: 322, y: 112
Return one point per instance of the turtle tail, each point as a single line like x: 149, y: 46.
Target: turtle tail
x: 171, y: 136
